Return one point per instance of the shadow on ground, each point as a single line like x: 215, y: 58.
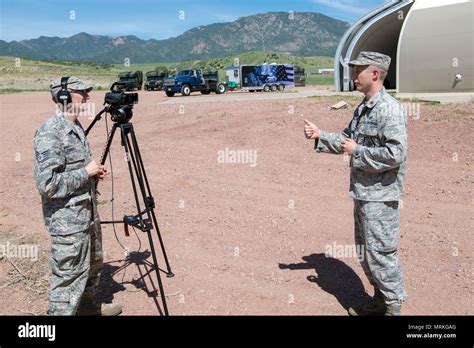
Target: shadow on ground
x: 110, y: 273
x: 334, y: 277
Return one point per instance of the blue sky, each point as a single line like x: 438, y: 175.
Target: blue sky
x: 147, y: 19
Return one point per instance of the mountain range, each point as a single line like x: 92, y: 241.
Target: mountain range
x: 303, y: 34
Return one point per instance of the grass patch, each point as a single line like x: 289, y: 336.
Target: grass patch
x: 17, y: 90
x: 320, y: 80
x: 25, y: 67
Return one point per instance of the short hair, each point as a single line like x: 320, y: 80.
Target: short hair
x: 382, y: 73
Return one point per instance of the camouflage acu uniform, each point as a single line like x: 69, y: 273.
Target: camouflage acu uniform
x: 69, y: 208
x: 379, y: 127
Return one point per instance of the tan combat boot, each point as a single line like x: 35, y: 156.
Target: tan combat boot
x: 106, y: 310
x: 110, y: 309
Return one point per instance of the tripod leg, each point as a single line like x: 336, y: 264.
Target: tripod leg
x: 145, y: 179
x: 157, y: 271
x: 131, y: 159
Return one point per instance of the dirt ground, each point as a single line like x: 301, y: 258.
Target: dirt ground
x: 248, y: 238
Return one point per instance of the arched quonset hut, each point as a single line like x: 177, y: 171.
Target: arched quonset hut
x: 431, y: 43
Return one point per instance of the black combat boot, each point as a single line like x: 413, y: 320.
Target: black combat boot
x: 376, y: 307
x: 393, y: 309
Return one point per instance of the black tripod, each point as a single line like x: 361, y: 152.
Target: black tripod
x: 144, y: 220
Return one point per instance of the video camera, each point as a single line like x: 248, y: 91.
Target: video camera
x: 120, y: 104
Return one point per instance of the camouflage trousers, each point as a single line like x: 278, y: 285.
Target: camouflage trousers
x: 377, y: 231
x: 76, y: 263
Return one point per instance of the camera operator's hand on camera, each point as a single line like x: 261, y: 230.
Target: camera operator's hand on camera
x: 311, y: 131
x: 95, y: 169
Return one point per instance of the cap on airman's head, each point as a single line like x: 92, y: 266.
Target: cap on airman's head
x: 379, y: 60
x: 73, y: 84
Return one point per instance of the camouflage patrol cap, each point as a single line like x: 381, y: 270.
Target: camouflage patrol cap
x: 73, y: 84
x: 379, y: 60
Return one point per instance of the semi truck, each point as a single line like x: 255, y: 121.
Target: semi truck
x: 263, y: 77
x: 194, y: 80
x: 130, y: 80
x: 154, y: 80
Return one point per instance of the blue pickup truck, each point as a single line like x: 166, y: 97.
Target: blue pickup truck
x: 194, y: 80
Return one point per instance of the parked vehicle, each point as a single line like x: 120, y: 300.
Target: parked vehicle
x: 300, y: 78
x: 193, y: 80
x: 232, y: 77
x: 267, y: 77
x: 130, y: 80
x: 154, y: 80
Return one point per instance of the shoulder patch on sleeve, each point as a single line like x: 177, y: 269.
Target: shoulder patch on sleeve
x: 42, y: 156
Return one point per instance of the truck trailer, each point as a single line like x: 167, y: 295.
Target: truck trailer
x: 267, y: 77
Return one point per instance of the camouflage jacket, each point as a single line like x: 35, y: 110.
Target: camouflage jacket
x: 379, y: 127
x: 61, y: 154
